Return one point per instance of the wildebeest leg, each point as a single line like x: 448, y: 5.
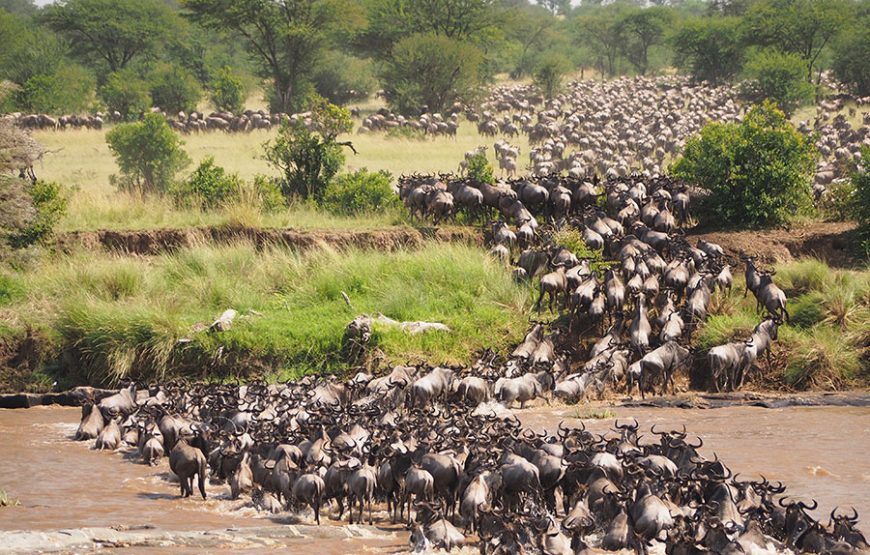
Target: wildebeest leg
x: 317, y: 511
x: 201, y: 478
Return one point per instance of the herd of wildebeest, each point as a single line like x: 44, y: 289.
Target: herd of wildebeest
x: 440, y: 449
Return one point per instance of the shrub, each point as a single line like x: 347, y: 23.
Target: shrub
x: 359, y: 192
x: 148, y: 153
x: 432, y: 71
x: 209, y: 186
x: 480, y: 170
x: 839, y: 200
x: 549, y: 72
x: 174, y: 88
x: 228, y: 91
x: 758, y: 171
x: 779, y: 77
x: 126, y: 93
x: 267, y: 191
x: 68, y: 90
x: 308, y: 159
x: 49, y: 205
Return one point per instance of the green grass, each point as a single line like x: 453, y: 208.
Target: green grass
x: 826, y: 344
x: 589, y: 413
x: 113, y: 316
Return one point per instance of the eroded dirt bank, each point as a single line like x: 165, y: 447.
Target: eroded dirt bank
x: 157, y: 241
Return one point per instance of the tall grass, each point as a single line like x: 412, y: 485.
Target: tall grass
x: 826, y: 343
x: 142, y: 317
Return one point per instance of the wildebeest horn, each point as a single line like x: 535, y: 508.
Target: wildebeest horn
x: 807, y: 507
x: 700, y: 443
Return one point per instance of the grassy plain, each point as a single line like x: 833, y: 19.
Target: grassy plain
x: 82, y: 162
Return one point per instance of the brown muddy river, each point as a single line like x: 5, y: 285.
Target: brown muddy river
x: 819, y: 452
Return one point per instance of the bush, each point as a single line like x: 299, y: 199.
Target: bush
x: 850, y: 59
x: 49, y: 205
x: 173, y: 88
x: 228, y: 91
x: 126, y: 93
x: 838, y: 202
x: 148, y: 153
x: 779, y: 77
x: 268, y: 194
x: 341, y: 78
x: 758, y: 171
x: 480, y: 170
x: 209, y: 186
x: 309, y: 159
x: 69, y: 90
x: 549, y: 72
x: 431, y: 71
x: 359, y: 192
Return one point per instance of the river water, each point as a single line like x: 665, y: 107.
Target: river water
x: 819, y: 452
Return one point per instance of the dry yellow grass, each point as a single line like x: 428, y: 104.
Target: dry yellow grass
x: 81, y: 161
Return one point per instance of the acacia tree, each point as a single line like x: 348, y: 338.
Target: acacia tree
x: 603, y: 33
x: 803, y: 27
x: 709, y: 47
x: 285, y: 37
x: 112, y: 31
x: 641, y: 29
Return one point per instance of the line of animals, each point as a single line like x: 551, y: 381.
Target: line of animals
x: 635, y: 223
x: 454, y: 474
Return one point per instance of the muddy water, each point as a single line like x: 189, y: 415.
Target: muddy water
x: 818, y: 452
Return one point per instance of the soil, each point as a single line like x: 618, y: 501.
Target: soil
x: 834, y: 242
x: 152, y: 242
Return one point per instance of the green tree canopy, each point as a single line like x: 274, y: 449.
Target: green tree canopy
x: 852, y: 58
x: 802, y: 27
x: 778, y: 77
x: 114, y: 32
x: 550, y: 70
x: 758, y: 172
x: 174, y: 88
x: 430, y: 70
x: 641, y: 29
x: 710, y: 48
x: 285, y: 37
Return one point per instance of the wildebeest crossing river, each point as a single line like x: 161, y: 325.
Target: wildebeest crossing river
x: 818, y: 452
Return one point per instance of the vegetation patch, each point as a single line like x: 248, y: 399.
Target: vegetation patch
x: 148, y: 318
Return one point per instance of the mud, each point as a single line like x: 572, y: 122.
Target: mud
x: 152, y: 242
x: 834, y: 242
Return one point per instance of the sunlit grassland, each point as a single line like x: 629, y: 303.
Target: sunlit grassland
x: 105, y: 317
x: 82, y: 162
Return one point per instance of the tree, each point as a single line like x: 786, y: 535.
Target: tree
x: 556, y: 7
x: 285, y: 37
x: 642, y: 28
x: 802, y: 27
x: 710, y: 48
x: 309, y: 156
x: 778, y: 77
x: 126, y: 93
x: 549, y: 72
x: 114, y: 32
x: 341, y: 78
x: 173, y: 88
x: 604, y: 34
x: 759, y: 171
x: 431, y: 71
x: 148, y: 153
x: 851, y: 55
x: 228, y: 91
